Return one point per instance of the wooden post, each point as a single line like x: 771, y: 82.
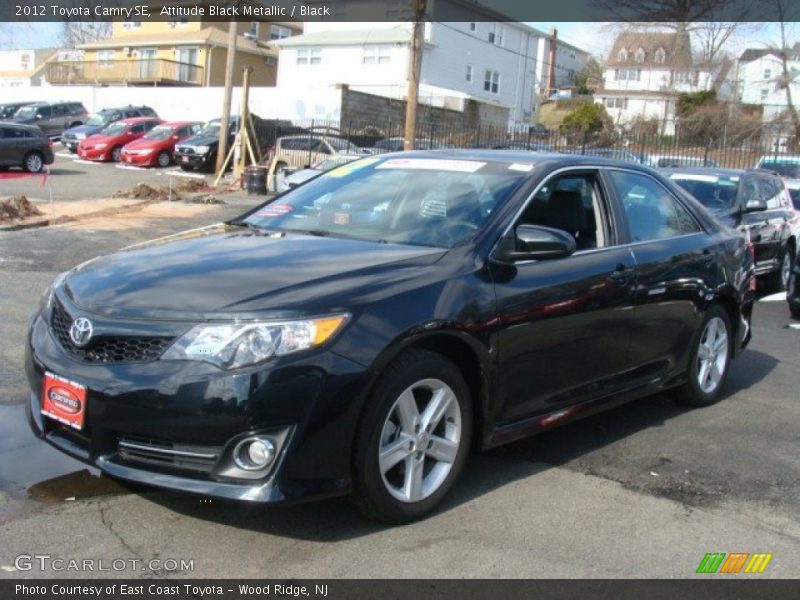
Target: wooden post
x: 414, y: 69
x: 222, y: 150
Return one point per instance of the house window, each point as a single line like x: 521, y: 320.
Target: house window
x: 105, y: 58
x: 660, y: 55
x: 622, y: 55
x: 131, y: 24
x: 496, y: 31
x: 767, y: 73
x: 627, y: 74
x: 491, y: 82
x: 309, y: 56
x: 473, y: 26
x: 469, y: 74
x: 686, y: 77
x: 376, y: 55
x: 639, y: 56
x: 616, y: 102
x: 764, y: 94
x: 255, y: 28
x: 277, y: 32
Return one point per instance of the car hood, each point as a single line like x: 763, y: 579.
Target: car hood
x: 98, y: 138
x: 218, y: 271
x: 85, y: 129
x: 200, y: 140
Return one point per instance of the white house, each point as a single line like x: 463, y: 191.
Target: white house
x: 23, y: 68
x: 759, y: 72
x: 506, y: 64
x: 644, y: 75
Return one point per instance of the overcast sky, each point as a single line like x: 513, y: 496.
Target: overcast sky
x: 593, y: 37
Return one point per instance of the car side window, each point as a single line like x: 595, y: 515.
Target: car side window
x: 137, y: 128
x: 149, y: 125
x: 651, y: 211
x: 60, y: 110
x: 770, y: 190
x: 44, y: 112
x: 129, y: 114
x: 573, y: 204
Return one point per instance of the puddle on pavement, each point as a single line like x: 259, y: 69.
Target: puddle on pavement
x: 32, y: 470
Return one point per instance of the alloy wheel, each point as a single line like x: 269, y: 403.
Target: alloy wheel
x: 163, y: 159
x: 34, y: 163
x: 419, y: 441
x: 712, y: 355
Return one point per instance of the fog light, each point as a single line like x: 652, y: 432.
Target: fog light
x: 253, y: 454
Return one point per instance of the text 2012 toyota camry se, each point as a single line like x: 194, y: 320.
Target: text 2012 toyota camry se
x: 358, y: 334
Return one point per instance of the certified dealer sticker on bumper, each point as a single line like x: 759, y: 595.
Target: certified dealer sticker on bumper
x: 64, y: 400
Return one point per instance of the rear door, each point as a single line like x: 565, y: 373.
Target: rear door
x: 673, y: 263
x: 7, y: 142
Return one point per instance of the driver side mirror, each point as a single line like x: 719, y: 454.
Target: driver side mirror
x: 536, y: 242
x: 755, y: 205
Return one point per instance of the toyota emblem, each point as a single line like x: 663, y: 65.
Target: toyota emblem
x: 81, y: 331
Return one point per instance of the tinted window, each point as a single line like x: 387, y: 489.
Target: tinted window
x: 45, y: 111
x: 652, y: 212
x: 12, y: 133
x: 140, y: 128
x: 60, y: 110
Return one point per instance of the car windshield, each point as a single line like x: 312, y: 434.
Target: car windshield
x: 211, y: 128
x: 26, y: 112
x: 420, y: 201
x: 114, y: 129
x: 341, y: 145
x: 162, y: 132
x: 784, y: 168
x: 98, y: 121
x: 331, y: 163
x: 715, y: 192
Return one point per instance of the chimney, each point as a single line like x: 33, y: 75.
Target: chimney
x: 551, y: 70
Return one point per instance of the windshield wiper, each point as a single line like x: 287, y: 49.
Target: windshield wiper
x: 252, y: 227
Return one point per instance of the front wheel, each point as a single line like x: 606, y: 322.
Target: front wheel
x: 413, y: 438
x: 164, y: 159
x: 711, y: 355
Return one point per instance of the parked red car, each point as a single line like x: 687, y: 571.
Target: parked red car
x: 107, y: 145
x: 157, y: 147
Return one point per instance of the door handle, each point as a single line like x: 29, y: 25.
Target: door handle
x: 621, y: 273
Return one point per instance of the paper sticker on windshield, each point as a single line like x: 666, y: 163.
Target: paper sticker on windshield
x: 275, y: 210
x: 345, y: 170
x: 432, y: 164
x: 524, y: 167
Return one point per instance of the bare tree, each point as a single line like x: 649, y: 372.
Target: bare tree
x: 786, y: 83
x: 83, y: 32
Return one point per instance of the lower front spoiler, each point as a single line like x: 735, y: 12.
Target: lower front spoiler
x: 267, y: 491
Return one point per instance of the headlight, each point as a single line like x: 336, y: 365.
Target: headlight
x: 201, y: 149
x: 46, y: 301
x: 235, y: 345
x: 100, y: 146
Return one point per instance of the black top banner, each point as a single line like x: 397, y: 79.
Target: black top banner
x: 401, y: 10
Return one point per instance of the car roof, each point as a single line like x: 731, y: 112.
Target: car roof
x: 719, y: 172
x: 543, y: 159
x: 32, y: 128
x: 134, y: 120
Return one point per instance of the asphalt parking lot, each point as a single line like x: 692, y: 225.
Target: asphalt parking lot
x: 644, y: 490
x: 74, y: 179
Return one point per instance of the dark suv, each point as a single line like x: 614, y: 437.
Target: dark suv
x: 52, y: 117
x: 755, y: 201
x: 72, y: 137
x: 24, y: 146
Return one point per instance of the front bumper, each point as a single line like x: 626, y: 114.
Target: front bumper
x: 138, y: 160
x: 311, y: 404
x: 195, y: 161
x: 92, y: 154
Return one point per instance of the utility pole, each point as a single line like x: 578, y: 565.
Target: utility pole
x: 414, y: 69
x: 222, y: 151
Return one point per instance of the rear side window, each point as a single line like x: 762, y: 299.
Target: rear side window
x: 45, y: 111
x: 138, y: 128
x: 651, y: 211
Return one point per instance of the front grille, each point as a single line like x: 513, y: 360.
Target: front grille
x: 107, y: 349
x: 170, y: 455
x: 185, y: 150
x: 69, y: 136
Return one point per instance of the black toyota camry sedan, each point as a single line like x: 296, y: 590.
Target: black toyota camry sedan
x: 361, y: 332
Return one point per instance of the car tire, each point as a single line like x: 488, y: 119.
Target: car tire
x: 163, y: 159
x: 394, y: 417
x: 33, y: 162
x: 116, y: 153
x: 710, y: 359
x: 793, y: 295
